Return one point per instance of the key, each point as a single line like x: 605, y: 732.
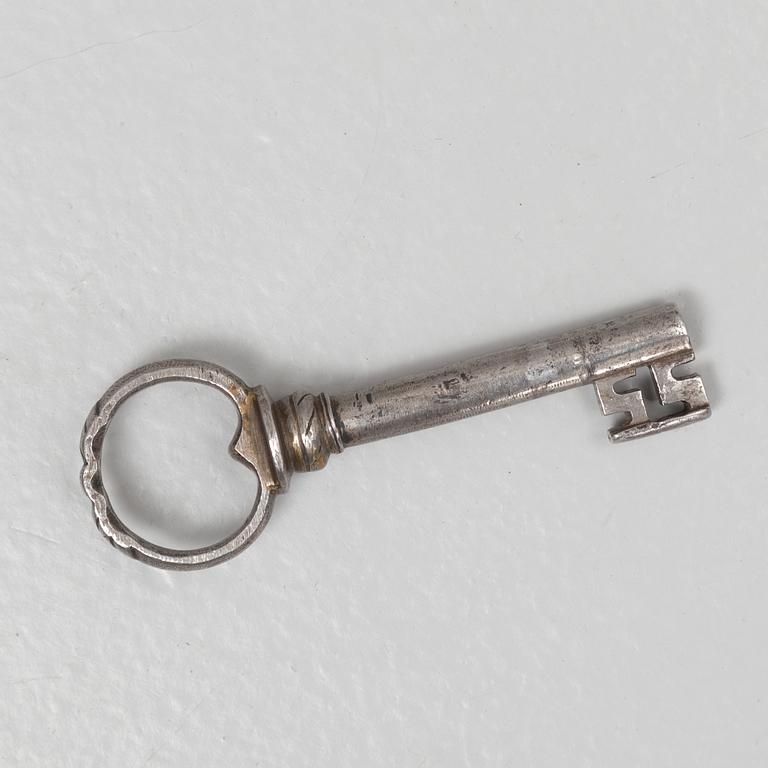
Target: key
x: 300, y: 432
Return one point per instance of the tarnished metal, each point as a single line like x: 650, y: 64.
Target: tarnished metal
x: 256, y: 445
x: 301, y: 431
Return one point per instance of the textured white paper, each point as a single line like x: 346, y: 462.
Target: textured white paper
x: 322, y: 195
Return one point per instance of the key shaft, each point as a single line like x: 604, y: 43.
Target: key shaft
x: 519, y: 373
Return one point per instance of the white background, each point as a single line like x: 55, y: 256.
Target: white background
x: 322, y: 195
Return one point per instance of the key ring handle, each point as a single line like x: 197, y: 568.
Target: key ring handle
x: 92, y: 443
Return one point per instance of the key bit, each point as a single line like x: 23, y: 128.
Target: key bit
x: 687, y: 392
x: 300, y: 432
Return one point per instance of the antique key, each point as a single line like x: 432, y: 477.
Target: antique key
x: 301, y: 431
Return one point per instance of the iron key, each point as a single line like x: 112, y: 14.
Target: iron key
x: 300, y: 432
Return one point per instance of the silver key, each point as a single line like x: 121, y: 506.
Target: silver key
x: 301, y: 431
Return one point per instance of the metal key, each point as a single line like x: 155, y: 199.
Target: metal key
x: 301, y: 431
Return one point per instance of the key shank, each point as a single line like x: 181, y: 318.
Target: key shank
x: 602, y: 354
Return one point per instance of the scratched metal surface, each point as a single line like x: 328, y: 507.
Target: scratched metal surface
x: 324, y: 197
